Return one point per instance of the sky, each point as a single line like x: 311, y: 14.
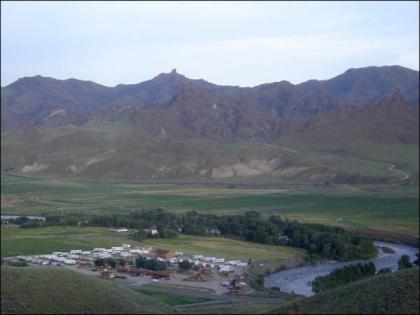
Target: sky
x: 230, y: 43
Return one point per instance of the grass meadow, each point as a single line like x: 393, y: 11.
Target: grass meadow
x: 384, y: 208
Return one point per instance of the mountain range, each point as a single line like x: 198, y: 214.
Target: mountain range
x: 175, y: 127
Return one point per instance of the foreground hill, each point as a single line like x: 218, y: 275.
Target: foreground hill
x: 396, y: 293
x: 58, y: 291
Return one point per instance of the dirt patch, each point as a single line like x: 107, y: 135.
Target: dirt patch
x: 100, y: 157
x: 252, y: 168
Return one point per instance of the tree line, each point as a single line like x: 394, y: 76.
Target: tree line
x: 343, y: 276
x: 321, y: 241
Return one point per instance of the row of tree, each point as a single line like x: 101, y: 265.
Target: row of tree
x: 320, y: 240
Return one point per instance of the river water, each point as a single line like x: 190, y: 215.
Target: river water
x: 298, y: 280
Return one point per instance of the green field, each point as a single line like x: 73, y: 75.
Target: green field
x: 34, y: 290
x: 228, y: 248
x: 394, y: 208
x: 172, y: 299
x: 17, y: 241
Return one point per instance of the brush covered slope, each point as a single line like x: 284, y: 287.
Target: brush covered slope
x: 324, y: 151
x: 28, y: 290
x: 394, y: 293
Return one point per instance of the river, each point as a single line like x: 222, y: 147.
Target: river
x: 298, y: 280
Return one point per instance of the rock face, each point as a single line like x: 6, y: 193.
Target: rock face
x: 252, y: 168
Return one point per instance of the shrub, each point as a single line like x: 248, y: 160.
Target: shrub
x: 184, y: 265
x: 384, y: 270
x: 404, y: 262
x: 140, y: 262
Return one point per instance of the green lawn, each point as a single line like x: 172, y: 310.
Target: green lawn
x: 172, y: 299
x: 228, y: 248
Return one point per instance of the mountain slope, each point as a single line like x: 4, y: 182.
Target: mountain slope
x: 390, y: 121
x: 375, y: 143
x: 43, y: 101
x: 358, y: 86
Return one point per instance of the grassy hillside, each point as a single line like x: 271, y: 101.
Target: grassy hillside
x: 396, y: 293
x: 117, y: 150
x: 58, y: 291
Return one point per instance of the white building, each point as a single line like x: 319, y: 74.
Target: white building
x: 173, y: 260
x: 208, y: 259
x: 152, y: 230
x: 225, y: 268
x: 70, y: 261
x: 73, y: 256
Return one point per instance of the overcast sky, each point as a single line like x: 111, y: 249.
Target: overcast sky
x: 233, y: 43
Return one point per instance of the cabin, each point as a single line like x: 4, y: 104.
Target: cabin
x: 107, y: 275
x: 163, y: 253
x: 284, y: 238
x: 152, y: 230
x: 214, y: 231
x: 225, y: 269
